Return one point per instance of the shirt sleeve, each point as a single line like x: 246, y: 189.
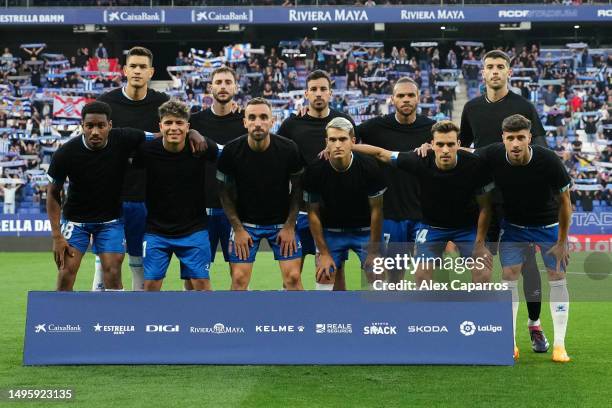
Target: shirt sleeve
x: 225, y: 167
x: 466, y: 135
x: 133, y: 137
x: 485, y: 183
x: 57, y: 171
x: 560, y: 179
x: 296, y: 165
x: 213, y: 151
x: 376, y: 181
x: 408, y: 161
x: 312, y: 193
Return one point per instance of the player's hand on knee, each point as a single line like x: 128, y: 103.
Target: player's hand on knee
x: 286, y: 240
x: 481, y: 251
x: 242, y: 241
x: 326, y: 266
x: 423, y: 150
x: 561, y: 252
x: 60, y: 249
x: 369, y: 262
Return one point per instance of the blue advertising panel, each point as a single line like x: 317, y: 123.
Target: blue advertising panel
x: 269, y: 328
x: 305, y: 15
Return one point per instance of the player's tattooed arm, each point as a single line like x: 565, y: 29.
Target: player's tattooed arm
x: 484, y: 220
x: 376, y: 222
x: 197, y: 142
x: 60, y: 245
x: 378, y: 153
x: 325, y: 264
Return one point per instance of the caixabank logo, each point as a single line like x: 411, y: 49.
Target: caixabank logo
x: 144, y: 16
x: 380, y: 329
x: 57, y: 328
x: 469, y: 328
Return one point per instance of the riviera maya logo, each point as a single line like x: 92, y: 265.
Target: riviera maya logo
x: 467, y: 328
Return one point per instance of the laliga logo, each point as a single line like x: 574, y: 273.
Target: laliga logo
x: 513, y: 13
x: 604, y: 13
x: 162, y: 328
x: 467, y: 328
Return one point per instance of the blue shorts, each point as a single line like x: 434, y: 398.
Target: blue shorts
x: 135, y: 215
x: 431, y: 241
x: 340, y: 242
x: 257, y: 233
x: 192, y: 250
x: 515, y: 240
x: 303, y: 230
x: 398, y: 237
x: 218, y: 232
x: 106, y: 237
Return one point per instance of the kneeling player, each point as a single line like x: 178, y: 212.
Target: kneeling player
x: 175, y: 199
x: 345, y: 196
x: 537, y: 207
x: 455, y: 200
x: 261, y: 190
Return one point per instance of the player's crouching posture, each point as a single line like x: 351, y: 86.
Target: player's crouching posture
x: 95, y: 164
x: 175, y: 199
x: 345, y: 197
x: 455, y: 200
x: 261, y: 190
x: 535, y: 188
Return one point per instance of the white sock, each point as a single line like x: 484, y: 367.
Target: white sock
x: 98, y: 280
x: 559, y: 309
x: 533, y: 323
x: 513, y: 286
x: 324, y: 286
x: 137, y: 272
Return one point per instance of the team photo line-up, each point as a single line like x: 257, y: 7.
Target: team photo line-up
x: 147, y: 177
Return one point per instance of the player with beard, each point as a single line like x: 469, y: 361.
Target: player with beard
x: 134, y: 105
x: 222, y: 123
x: 401, y: 131
x: 481, y: 124
x: 308, y: 132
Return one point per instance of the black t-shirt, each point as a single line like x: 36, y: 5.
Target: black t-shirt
x: 481, y: 121
x: 141, y: 115
x: 402, y: 197
x: 309, y: 132
x: 261, y: 178
x: 448, y: 197
x: 175, y: 196
x: 344, y: 195
x: 221, y: 129
x: 529, y: 192
x: 95, y: 176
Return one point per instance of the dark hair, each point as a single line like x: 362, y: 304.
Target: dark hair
x: 406, y: 80
x: 174, y: 107
x: 222, y: 70
x: 444, y: 126
x: 516, y: 123
x: 496, y: 54
x: 318, y: 74
x: 97, y: 107
x: 258, y: 101
x: 140, y: 52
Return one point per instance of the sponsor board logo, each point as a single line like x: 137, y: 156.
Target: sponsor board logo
x: 380, y: 329
x: 131, y: 16
x: 218, y: 328
x: 469, y: 328
x: 222, y: 16
x: 321, y: 16
x: 333, y: 328
x: 57, y: 328
x: 441, y: 14
x: 32, y: 18
x: 114, y: 329
x: 604, y: 13
x: 281, y: 328
x: 162, y: 328
x: 418, y: 329
x: 590, y: 243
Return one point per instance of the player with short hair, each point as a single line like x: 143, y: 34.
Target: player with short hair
x: 222, y: 123
x: 175, y: 199
x: 261, y: 190
x: 134, y: 105
x: 454, y: 188
x: 308, y: 132
x: 401, y: 131
x: 95, y: 164
x: 535, y: 188
x: 345, y: 198
x: 481, y: 124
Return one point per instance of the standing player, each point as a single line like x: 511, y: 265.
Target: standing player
x: 134, y: 105
x: 535, y: 188
x: 481, y: 125
x: 345, y: 197
x: 175, y: 199
x: 261, y: 193
x: 308, y: 132
x: 401, y: 131
x: 222, y: 124
x: 454, y: 189
x: 95, y: 164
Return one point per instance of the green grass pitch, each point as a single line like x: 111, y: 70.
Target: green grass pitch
x: 534, y: 381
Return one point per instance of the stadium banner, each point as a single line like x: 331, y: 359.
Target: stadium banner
x: 305, y: 15
x: 68, y: 106
x: 37, y: 225
x: 269, y: 327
